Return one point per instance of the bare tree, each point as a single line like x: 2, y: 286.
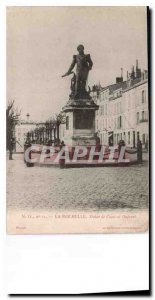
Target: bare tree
x: 60, y: 119
x: 12, y: 119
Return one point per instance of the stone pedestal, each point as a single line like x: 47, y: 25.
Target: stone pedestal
x: 80, y: 122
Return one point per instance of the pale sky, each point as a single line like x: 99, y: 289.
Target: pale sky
x: 41, y: 42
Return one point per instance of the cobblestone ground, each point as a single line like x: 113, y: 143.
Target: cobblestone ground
x: 95, y: 189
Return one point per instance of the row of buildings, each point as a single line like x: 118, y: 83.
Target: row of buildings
x: 123, y: 109
x: 123, y: 114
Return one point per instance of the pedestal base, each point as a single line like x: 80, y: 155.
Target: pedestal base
x: 80, y: 122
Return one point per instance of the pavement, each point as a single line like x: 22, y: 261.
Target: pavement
x: 82, y: 189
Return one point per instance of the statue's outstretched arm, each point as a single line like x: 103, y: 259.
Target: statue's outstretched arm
x: 70, y: 68
x: 90, y: 62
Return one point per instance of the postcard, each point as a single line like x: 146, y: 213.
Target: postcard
x: 77, y: 113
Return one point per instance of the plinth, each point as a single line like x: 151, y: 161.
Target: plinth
x: 80, y: 122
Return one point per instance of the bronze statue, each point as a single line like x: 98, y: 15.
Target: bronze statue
x: 78, y: 83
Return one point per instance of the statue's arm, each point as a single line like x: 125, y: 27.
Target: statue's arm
x: 90, y: 62
x: 71, y: 67
x: 72, y: 64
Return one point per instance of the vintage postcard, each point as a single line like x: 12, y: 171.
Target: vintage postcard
x: 77, y: 113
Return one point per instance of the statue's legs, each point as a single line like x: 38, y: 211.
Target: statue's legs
x: 77, y: 85
x: 83, y: 85
x: 80, y: 85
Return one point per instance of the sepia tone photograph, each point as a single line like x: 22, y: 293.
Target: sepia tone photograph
x: 77, y: 113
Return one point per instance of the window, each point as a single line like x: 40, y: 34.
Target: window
x: 137, y: 136
x: 103, y: 110
x: 134, y: 139
x: 143, y: 96
x: 129, y: 137
x: 117, y: 108
x: 142, y: 115
x: 119, y: 122
x: 124, y: 137
x: 67, y: 122
x: 106, y: 109
x: 137, y: 117
x: 117, y: 138
x: 143, y: 138
x: 101, y: 138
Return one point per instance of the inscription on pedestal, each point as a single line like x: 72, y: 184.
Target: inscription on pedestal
x: 84, y: 119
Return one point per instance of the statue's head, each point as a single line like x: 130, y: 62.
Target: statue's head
x: 80, y: 49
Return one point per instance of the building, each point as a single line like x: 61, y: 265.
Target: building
x: 123, y: 109
x: 21, y: 130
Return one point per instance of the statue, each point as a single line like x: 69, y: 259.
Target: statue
x: 78, y: 82
x: 72, y: 87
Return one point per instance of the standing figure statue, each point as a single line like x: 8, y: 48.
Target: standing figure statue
x: 83, y: 64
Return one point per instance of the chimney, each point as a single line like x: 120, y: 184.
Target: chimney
x: 120, y: 79
x: 28, y: 116
x: 129, y: 80
x: 145, y: 74
x: 122, y: 73
x: 138, y: 70
x: 133, y: 73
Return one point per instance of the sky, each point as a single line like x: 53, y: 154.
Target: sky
x: 41, y: 42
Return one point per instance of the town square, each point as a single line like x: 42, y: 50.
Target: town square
x: 79, y: 140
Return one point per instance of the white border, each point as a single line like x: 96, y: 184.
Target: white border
x: 69, y: 263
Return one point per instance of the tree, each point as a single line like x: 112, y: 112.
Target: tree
x: 12, y: 119
x: 60, y: 119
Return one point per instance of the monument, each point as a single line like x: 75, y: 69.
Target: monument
x: 80, y: 108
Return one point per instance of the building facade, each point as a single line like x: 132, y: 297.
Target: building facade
x: 24, y: 129
x: 21, y: 130
x: 123, y: 110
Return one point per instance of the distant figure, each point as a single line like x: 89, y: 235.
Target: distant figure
x: 146, y: 145
x: 11, y: 147
x: 120, y: 144
x: 98, y: 141
x: 62, y: 145
x: 139, y: 151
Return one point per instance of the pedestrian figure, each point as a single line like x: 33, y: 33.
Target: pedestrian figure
x: 146, y: 145
x: 12, y: 147
x: 139, y: 152
x: 26, y: 146
x: 120, y: 145
x: 62, y: 145
x: 62, y: 160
